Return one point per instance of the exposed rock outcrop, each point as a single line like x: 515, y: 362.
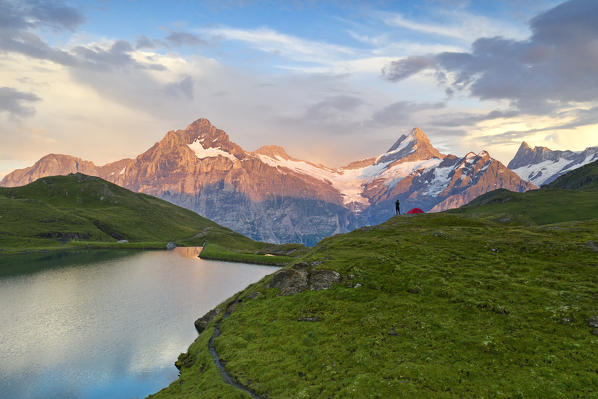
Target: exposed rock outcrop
x: 202, y: 323
x: 300, y: 277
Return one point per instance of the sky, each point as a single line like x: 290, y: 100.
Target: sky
x: 331, y: 81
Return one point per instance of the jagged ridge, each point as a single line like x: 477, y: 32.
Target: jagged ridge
x: 271, y: 196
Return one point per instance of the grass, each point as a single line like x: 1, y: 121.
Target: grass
x: 79, y: 211
x: 537, y: 207
x: 448, y: 306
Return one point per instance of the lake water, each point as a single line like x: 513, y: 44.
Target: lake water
x: 105, y: 324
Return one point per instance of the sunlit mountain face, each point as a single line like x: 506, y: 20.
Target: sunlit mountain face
x: 271, y: 196
x: 329, y: 81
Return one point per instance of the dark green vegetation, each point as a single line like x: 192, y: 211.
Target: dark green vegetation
x: 492, y: 303
x: 69, y: 212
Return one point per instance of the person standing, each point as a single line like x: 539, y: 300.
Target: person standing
x: 397, y: 207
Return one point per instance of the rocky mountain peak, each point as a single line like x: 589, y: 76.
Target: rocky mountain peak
x: 541, y: 165
x: 527, y: 155
x: 412, y: 146
x: 272, y: 151
x: 203, y: 131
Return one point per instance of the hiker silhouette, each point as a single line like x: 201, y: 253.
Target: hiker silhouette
x: 397, y: 207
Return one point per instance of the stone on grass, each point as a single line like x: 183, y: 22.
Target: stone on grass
x: 202, y: 323
x: 593, y: 321
x: 289, y: 281
x: 323, y: 279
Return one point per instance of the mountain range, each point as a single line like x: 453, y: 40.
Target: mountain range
x: 270, y: 196
x: 541, y: 165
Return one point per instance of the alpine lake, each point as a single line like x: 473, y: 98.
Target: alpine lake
x: 105, y: 323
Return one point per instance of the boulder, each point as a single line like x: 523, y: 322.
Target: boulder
x: 202, y: 323
x: 170, y: 246
x: 289, y: 281
x: 323, y: 279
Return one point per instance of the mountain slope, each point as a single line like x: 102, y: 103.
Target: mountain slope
x: 584, y: 178
x: 79, y: 210
x: 269, y: 195
x: 572, y: 196
x: 436, y: 305
x: 541, y: 165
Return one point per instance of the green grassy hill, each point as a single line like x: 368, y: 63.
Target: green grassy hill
x: 496, y: 301
x: 83, y: 211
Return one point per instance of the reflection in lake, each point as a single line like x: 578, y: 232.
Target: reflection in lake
x: 99, y: 324
x: 188, y: 252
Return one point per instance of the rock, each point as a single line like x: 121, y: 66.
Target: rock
x: 566, y: 320
x: 253, y: 295
x: 323, y: 279
x: 593, y: 245
x: 593, y: 321
x: 170, y: 246
x: 301, y: 266
x: 289, y: 281
x: 185, y: 360
x: 393, y: 332
x: 357, y: 285
x: 123, y: 241
x: 202, y: 323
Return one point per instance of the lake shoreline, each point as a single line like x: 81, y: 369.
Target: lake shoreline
x: 255, y: 259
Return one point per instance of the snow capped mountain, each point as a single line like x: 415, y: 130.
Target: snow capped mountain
x: 540, y: 165
x: 269, y: 195
x: 411, y: 152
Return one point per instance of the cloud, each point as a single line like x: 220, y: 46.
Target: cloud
x: 400, y: 113
x: 468, y: 119
x: 18, y: 24
x: 274, y: 42
x: 454, y: 24
x: 118, y: 55
x: 554, y: 67
x: 13, y: 102
x: 333, y: 112
x: 327, y: 108
x: 398, y: 20
x: 20, y: 15
x: 184, y: 39
x: 402, y: 69
x: 144, y: 42
x: 183, y: 87
x: 579, y: 118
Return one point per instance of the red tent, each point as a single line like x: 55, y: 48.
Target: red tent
x: 415, y: 210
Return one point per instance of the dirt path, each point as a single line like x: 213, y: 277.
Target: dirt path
x: 225, y: 375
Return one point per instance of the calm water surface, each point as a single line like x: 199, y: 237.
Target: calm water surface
x: 102, y: 324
